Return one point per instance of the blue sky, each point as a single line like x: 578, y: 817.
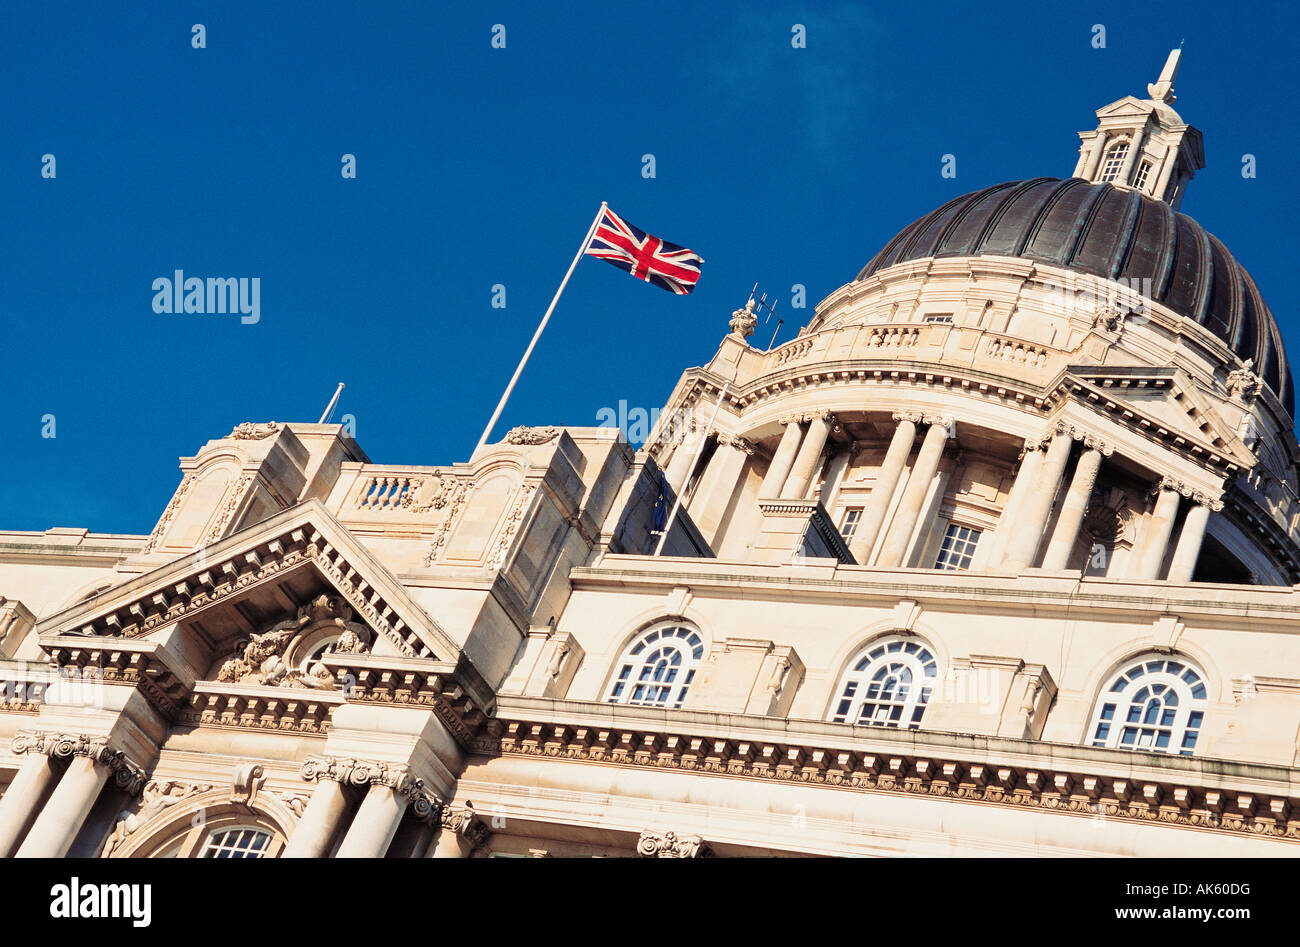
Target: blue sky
x: 478, y: 166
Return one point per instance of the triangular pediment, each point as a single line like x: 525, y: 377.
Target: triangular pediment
x: 254, y: 578
x: 1164, y: 404
x: 1129, y: 105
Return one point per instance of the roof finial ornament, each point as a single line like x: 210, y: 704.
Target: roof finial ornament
x: 1162, y: 90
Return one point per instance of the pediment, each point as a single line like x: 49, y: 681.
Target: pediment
x: 1164, y: 404
x: 1129, y: 105
x: 262, y: 580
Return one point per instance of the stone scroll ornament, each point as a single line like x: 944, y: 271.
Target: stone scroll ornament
x: 531, y: 436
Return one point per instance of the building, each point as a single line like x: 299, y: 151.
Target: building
x: 998, y: 556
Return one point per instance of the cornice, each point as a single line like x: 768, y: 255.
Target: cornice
x: 1131, y: 787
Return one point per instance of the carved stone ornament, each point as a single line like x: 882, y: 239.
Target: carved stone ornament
x: 261, y: 659
x: 126, y: 775
x: 671, y: 845
x: 248, y: 431
x: 744, y: 320
x: 157, y: 796
x: 531, y: 436
x: 424, y: 804
x: 1243, y: 383
x: 465, y: 823
x: 741, y: 444
x: 1111, y: 318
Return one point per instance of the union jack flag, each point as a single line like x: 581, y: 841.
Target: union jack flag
x: 648, y: 258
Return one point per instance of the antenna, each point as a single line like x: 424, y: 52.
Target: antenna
x: 761, y: 304
x: 329, y: 408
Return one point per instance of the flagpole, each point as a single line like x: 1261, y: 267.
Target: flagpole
x: 586, y: 242
x: 699, y: 449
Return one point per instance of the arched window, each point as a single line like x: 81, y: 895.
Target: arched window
x: 1155, y: 703
x: 1113, y: 163
x: 221, y: 832
x: 239, y: 842
x: 658, y: 666
x: 889, y: 685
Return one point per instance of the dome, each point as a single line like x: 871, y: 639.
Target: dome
x: 1114, y: 233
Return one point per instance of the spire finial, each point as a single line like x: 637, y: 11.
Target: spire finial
x: 1162, y: 90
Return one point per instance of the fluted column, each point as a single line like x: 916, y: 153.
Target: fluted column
x: 1031, y: 521
x: 1159, y: 530
x: 918, y: 485
x: 809, y: 456
x: 900, y: 448
x: 1189, y: 540
x: 319, y: 823
x: 19, y: 804
x: 1073, y: 507
x: 783, y: 459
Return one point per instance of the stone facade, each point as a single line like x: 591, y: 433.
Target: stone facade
x: 960, y: 570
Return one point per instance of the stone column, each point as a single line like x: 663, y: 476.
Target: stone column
x: 319, y: 823
x: 1031, y: 466
x: 900, y: 448
x: 61, y: 819
x: 1159, y: 530
x: 718, y: 483
x: 783, y: 459
x: 918, y: 485
x: 19, y: 804
x: 1074, y: 506
x: 809, y: 456
x: 1189, y: 540
x: 375, y: 824
x: 1031, y: 519
x: 1094, y: 157
x: 679, y: 467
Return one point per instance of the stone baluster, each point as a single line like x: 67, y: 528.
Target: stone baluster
x: 928, y: 458
x: 783, y: 459
x: 1031, y: 520
x: 809, y: 456
x: 900, y: 448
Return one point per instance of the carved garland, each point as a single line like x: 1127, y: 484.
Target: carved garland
x: 169, y: 513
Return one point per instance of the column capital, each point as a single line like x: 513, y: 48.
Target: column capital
x: 126, y: 774
x: 791, y: 419
x: 942, y: 421
x: 671, y: 845
x: 1190, y: 491
x: 465, y: 823
x: 1083, y: 436
x: 398, y: 777
x: 742, y: 444
x: 916, y: 417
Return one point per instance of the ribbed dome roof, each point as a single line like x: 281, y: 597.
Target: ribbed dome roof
x: 1114, y: 233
